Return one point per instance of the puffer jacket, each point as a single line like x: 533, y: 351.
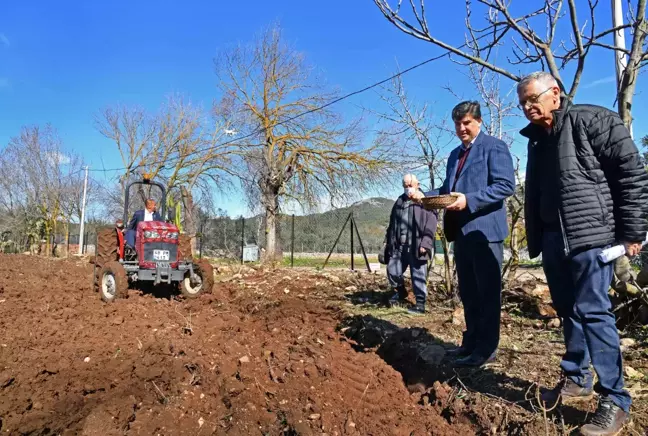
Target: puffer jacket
x: 603, y: 185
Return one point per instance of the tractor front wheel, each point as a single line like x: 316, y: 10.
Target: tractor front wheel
x: 113, y: 282
x: 203, y: 282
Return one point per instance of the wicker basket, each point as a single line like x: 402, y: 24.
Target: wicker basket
x: 438, y: 201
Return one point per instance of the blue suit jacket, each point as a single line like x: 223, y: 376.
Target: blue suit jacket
x: 139, y: 216
x: 486, y: 180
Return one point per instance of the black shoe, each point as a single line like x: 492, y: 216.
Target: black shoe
x: 418, y: 309
x: 567, y: 390
x: 608, y: 420
x: 474, y: 361
x: 459, y: 352
x: 396, y: 300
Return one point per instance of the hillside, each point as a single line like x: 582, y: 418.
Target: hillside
x: 313, y: 233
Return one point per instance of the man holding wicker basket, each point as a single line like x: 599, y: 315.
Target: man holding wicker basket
x: 479, y: 178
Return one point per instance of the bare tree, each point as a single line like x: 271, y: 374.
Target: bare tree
x: 411, y: 126
x: 295, y: 147
x: 533, y: 37
x: 179, y: 145
x: 36, y: 180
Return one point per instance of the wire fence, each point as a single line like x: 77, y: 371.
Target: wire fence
x: 347, y: 237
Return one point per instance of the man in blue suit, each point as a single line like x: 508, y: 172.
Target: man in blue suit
x: 480, y: 171
x: 147, y: 214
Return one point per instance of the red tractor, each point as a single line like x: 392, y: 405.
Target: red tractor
x: 161, y: 256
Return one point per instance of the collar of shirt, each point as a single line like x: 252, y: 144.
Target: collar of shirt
x: 466, y: 147
x: 148, y: 216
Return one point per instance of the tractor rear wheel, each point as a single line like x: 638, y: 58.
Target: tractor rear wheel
x: 107, y: 250
x: 113, y: 282
x: 204, y: 282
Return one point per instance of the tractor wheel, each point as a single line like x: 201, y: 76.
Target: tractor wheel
x: 113, y: 282
x: 184, y: 247
x: 204, y: 284
x: 107, y: 250
x: 107, y: 246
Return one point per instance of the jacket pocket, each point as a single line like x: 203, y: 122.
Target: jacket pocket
x: 602, y: 206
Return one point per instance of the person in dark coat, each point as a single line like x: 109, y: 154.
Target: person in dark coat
x: 480, y: 171
x: 149, y: 213
x: 586, y: 189
x: 410, y: 243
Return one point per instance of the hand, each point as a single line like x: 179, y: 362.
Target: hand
x: 416, y: 196
x: 422, y: 251
x: 632, y: 248
x: 459, y: 204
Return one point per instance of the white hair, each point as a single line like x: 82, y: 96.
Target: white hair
x: 412, y: 179
x: 540, y: 76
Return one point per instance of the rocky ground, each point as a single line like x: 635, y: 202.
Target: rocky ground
x: 270, y: 352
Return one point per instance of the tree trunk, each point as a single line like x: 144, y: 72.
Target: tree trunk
x: 190, y: 227
x: 431, y: 173
x: 629, y: 79
x: 448, y: 268
x: 271, y: 206
x: 514, y: 261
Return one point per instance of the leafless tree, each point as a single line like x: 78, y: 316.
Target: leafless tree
x: 296, y: 147
x: 38, y: 184
x: 180, y: 146
x: 533, y: 38
x: 411, y: 126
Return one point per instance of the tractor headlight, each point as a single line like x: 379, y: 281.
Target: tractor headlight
x: 152, y: 234
x: 172, y: 235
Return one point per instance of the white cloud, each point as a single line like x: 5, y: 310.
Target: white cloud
x: 59, y: 158
x: 598, y: 82
x: 4, y: 40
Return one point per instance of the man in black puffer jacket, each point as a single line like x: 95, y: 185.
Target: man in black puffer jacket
x: 586, y: 189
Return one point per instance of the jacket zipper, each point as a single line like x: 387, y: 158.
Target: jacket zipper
x: 564, y: 234
x: 560, y: 218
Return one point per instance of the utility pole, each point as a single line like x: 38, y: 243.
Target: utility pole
x: 83, y: 206
x: 620, y: 60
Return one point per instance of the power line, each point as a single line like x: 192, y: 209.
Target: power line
x: 313, y: 110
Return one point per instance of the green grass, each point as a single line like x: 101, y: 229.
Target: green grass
x: 334, y: 262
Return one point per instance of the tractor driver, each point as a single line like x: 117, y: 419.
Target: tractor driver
x: 147, y: 214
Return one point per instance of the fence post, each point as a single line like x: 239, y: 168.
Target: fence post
x: 67, y: 248
x: 292, y: 243
x: 242, y: 238
x: 352, y: 251
x: 336, y: 241
x: 85, y: 244
x: 202, y: 235
x: 364, y: 253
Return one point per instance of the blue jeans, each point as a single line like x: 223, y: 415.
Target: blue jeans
x: 479, y: 272
x: 399, y: 260
x: 130, y: 237
x: 579, y: 287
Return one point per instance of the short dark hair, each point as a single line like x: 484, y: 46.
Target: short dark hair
x: 464, y: 108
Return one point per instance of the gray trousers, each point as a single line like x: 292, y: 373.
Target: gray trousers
x: 398, y: 262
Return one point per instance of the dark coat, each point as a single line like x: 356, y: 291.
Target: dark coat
x: 487, y: 179
x: 602, y: 183
x: 139, y: 216
x: 423, y: 232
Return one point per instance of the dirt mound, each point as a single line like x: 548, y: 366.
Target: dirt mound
x: 255, y: 357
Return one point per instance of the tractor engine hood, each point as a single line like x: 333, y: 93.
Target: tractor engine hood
x: 157, y: 236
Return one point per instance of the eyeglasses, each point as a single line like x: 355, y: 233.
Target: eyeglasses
x: 532, y: 100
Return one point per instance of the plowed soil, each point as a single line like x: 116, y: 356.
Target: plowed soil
x: 268, y: 352
x: 257, y: 356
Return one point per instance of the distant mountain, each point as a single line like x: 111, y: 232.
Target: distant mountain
x: 313, y: 233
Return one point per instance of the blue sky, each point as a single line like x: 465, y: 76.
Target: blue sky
x: 61, y: 62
